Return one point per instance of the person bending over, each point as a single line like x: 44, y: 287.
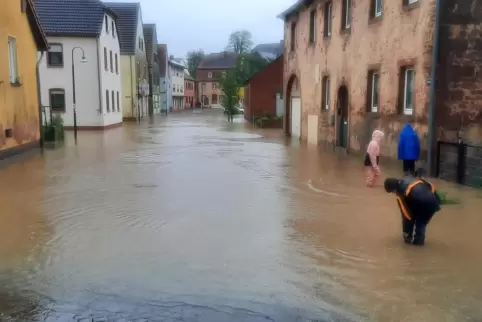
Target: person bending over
x: 418, y: 202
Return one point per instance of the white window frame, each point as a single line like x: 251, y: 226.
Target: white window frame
x: 326, y: 103
x: 12, y: 59
x: 373, y: 107
x: 329, y: 22
x: 406, y: 110
x: 210, y: 75
x: 347, y: 14
x: 412, y: 1
x: 378, y: 3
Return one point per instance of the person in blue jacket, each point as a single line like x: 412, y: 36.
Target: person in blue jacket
x: 408, y: 148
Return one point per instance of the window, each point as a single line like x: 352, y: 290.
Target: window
x: 113, y: 102
x: 138, y: 69
x: 55, y: 56
x: 118, y: 102
x: 408, y: 78
x: 346, y: 15
x: 293, y: 36
x: 325, y: 105
x: 107, y: 101
x: 57, y: 99
x: 106, y: 21
x: 328, y: 19
x: 374, y: 90
x: 376, y: 8
x: 312, y: 26
x: 105, y: 58
x: 111, y: 62
x: 113, y: 29
x: 214, y: 86
x: 12, y: 58
x: 411, y: 1
x: 210, y: 75
x: 116, y: 64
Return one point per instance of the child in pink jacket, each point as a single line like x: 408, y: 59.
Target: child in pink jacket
x: 372, y: 158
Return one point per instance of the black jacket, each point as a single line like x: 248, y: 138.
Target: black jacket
x: 418, y: 194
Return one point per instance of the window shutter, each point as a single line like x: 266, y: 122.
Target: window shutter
x: 23, y: 6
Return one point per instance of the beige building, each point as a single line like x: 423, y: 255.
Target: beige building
x: 133, y: 60
x: 350, y: 69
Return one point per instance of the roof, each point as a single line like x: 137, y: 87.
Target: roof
x: 292, y: 9
x: 150, y: 39
x: 223, y: 60
x: 175, y: 63
x: 188, y: 77
x: 127, y: 18
x: 261, y: 70
x: 74, y: 18
x: 37, y: 30
x: 275, y: 49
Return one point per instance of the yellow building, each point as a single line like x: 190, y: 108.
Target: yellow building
x: 21, y: 37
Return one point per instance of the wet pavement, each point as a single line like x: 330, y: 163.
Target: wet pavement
x: 189, y: 218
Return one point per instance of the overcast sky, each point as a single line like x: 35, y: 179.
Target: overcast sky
x: 185, y: 25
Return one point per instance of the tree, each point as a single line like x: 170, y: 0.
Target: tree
x: 229, y: 86
x: 249, y: 64
x: 240, y: 42
x: 194, y: 58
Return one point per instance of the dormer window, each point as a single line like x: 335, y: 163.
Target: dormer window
x: 106, y: 21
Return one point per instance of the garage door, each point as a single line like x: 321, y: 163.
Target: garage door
x: 296, y: 117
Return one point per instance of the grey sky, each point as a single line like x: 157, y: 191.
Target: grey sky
x: 185, y: 25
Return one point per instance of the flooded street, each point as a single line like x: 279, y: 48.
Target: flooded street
x: 189, y: 218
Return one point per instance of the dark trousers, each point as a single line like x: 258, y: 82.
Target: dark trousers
x: 414, y: 222
x: 408, y: 166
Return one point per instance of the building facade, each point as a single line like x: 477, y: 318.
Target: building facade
x: 188, y: 91
x: 19, y: 102
x: 133, y: 60
x: 92, y: 49
x: 349, y: 70
x: 150, y: 38
x: 165, y: 92
x: 176, y: 76
x: 262, y: 90
x: 208, y: 75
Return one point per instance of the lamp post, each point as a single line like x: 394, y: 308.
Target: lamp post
x: 203, y: 86
x: 82, y: 60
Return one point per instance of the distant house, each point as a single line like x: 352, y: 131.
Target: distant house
x: 133, y: 60
x: 263, y: 90
x: 208, y: 74
x: 176, y: 76
x: 188, y: 90
x: 22, y: 36
x: 150, y: 38
x: 269, y: 51
x: 81, y: 34
x: 165, y: 81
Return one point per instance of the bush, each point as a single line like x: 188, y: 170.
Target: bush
x: 55, y: 130
x: 444, y: 200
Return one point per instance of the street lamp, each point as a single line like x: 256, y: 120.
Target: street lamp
x: 82, y: 60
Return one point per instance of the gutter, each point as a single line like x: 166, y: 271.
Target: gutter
x: 432, y: 103
x: 39, y: 97
x: 99, y: 78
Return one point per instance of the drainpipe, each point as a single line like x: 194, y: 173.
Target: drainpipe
x: 431, y: 109
x: 39, y: 97
x: 132, y: 90
x: 99, y: 79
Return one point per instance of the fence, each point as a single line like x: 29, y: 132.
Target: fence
x: 460, y: 163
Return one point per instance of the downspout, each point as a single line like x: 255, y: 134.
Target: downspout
x: 433, y: 83
x: 99, y: 79
x: 39, y: 97
x: 132, y: 90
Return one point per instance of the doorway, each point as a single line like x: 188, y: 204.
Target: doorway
x: 342, y: 113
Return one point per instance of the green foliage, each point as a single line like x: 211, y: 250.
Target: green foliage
x: 249, y: 64
x: 240, y: 42
x: 445, y: 200
x: 262, y: 120
x: 229, y: 86
x: 55, y: 130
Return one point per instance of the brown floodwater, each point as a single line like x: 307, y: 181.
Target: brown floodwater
x: 189, y: 218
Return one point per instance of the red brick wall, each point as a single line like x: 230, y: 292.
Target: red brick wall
x: 260, y: 95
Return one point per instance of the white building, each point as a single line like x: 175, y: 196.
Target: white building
x: 90, y: 38
x: 176, y: 75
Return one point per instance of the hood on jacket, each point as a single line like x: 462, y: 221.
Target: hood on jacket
x: 377, y: 135
x: 408, y: 130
